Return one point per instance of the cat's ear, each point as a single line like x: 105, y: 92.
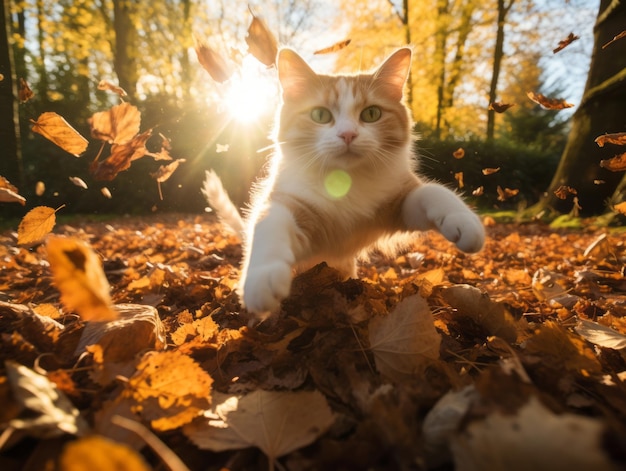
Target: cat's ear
x: 394, y: 72
x: 294, y: 74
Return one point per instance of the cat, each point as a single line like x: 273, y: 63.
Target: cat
x: 342, y: 180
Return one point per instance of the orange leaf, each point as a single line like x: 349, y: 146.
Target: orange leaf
x: 108, y: 86
x: 490, y: 171
x: 618, y: 138
x: 218, y: 68
x: 78, y: 275
x: 504, y: 194
x: 478, y: 191
x: 261, y: 42
x: 563, y: 191
x: 24, y: 92
x: 459, y: 153
x: 500, y: 107
x: 37, y: 224
x: 334, y: 48
x: 620, y: 208
x: 565, y: 42
x: 117, y: 125
x: 54, y: 128
x: 615, y: 164
x: 549, y: 103
x: 98, y: 453
x: 459, y: 178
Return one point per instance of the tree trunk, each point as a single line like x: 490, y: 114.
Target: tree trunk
x: 125, y: 60
x: 600, y: 111
x: 441, y: 40
x: 11, y: 162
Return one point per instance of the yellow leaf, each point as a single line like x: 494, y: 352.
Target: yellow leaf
x: 54, y: 128
x: 96, y: 453
x: 37, y: 224
x: 78, y: 275
x: 620, y: 208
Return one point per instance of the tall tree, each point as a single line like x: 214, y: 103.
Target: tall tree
x: 600, y: 111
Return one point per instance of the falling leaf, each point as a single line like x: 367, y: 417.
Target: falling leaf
x: 106, y: 192
x: 506, y: 193
x: 459, y: 153
x: 549, y: 103
x: 405, y: 341
x: 117, y: 125
x: 458, y: 176
x: 478, y: 191
x: 563, y: 191
x: 36, y: 225
x: 620, y: 208
x: 164, y: 153
x: 334, y: 48
x: 277, y: 422
x: 565, y: 42
x: 108, y: 86
x: 78, y: 275
x: 54, y: 128
x: 618, y: 138
x: 598, y: 182
x: 24, y: 92
x: 40, y: 188
x: 121, y: 157
x: 490, y: 171
x: 261, y: 42
x: 164, y: 172
x: 473, y: 303
x: 97, y: 453
x: 615, y: 164
x: 9, y: 193
x: 219, y: 148
x: 218, y: 68
x: 78, y: 182
x: 600, y: 334
x: 500, y: 107
x: 615, y: 38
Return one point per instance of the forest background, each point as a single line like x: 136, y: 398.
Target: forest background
x: 467, y: 54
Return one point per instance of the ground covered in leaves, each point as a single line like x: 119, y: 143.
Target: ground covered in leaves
x: 512, y: 358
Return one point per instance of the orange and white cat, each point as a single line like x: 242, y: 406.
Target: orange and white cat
x: 342, y: 179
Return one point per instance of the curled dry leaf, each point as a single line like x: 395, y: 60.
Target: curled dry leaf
x: 500, y: 107
x: 490, y: 171
x: 78, y: 275
x: 563, y: 191
x: 478, y: 191
x: 24, y: 92
x: 549, y: 103
x: 164, y: 172
x: 9, y: 193
x: 78, y: 182
x: 618, y: 138
x: 565, y: 42
x: 54, y: 128
x: 506, y: 193
x: 108, y: 86
x: 600, y: 334
x: 615, y: 164
x: 277, y: 422
x: 338, y: 46
x: 615, y: 38
x: 121, y: 157
x: 219, y: 68
x: 405, y: 341
x: 36, y: 225
x: 459, y: 153
x: 261, y: 42
x: 117, y: 125
x: 99, y: 453
x: 458, y: 176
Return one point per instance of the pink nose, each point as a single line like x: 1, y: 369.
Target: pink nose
x: 348, y: 136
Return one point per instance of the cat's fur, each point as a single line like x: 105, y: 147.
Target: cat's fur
x: 295, y: 223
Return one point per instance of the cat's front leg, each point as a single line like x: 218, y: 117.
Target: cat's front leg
x: 433, y: 206
x: 268, y: 268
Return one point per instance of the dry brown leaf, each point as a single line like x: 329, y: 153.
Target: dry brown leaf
x: 490, y: 171
x: 169, y: 389
x: 615, y: 164
x: 565, y: 42
x: 24, y: 92
x: 277, y: 422
x: 549, y: 103
x: 615, y: 38
x: 458, y: 176
x: 459, y: 153
x: 36, y: 225
x: 405, y: 341
x: 164, y: 172
x: 54, y: 128
x: 9, y: 193
x: 219, y: 69
x: 618, y: 138
x: 478, y: 191
x: 261, y: 42
x: 338, y: 46
x: 600, y: 334
x: 564, y: 191
x: 97, y: 453
x: 78, y: 182
x: 471, y: 302
x: 108, y: 86
x: 117, y: 125
x: 121, y: 157
x: 506, y: 193
x: 78, y: 275
x: 500, y: 107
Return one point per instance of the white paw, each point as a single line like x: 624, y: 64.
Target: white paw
x: 266, y: 286
x: 464, y: 229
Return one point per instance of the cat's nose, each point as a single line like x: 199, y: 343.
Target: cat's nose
x: 348, y: 136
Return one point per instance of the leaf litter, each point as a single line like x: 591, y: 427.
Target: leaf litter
x: 435, y: 357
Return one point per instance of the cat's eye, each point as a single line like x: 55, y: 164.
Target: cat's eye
x: 321, y: 115
x: 371, y: 114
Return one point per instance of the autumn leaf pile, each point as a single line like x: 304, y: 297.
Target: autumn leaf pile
x: 508, y: 359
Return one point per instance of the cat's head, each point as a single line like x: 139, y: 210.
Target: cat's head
x: 343, y: 121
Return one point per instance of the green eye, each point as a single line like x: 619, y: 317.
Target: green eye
x: 321, y: 115
x: 371, y: 114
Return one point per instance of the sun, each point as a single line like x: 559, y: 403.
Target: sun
x: 252, y: 92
